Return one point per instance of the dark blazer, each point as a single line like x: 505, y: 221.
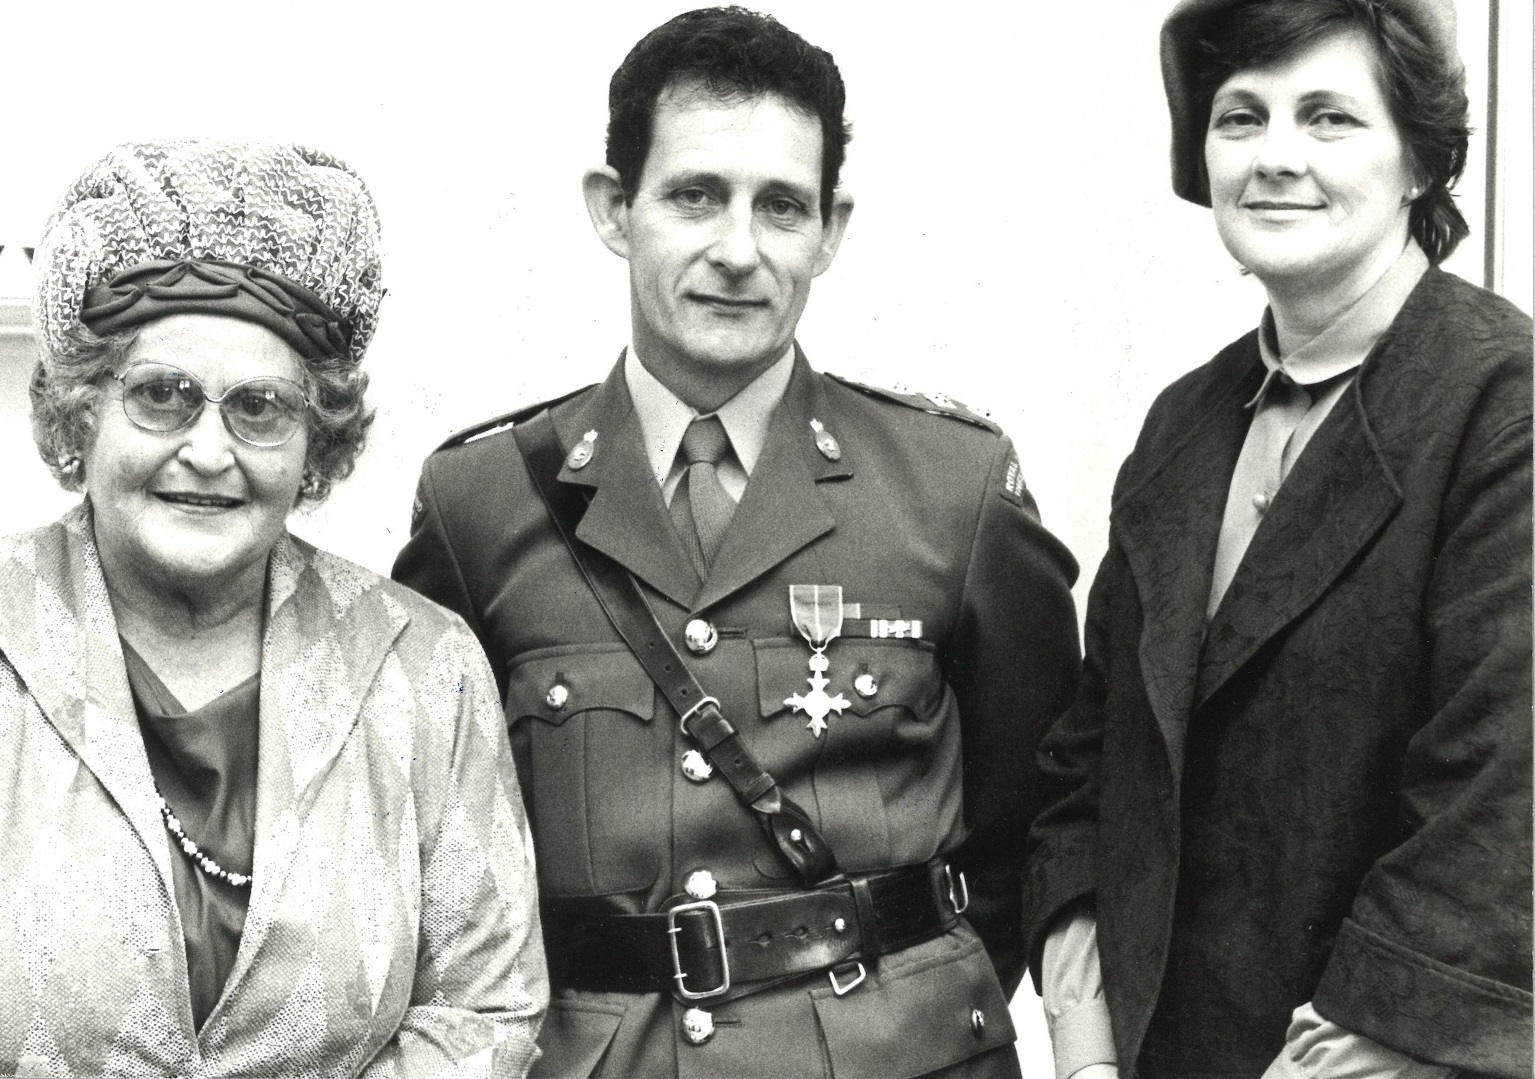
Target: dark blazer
x: 1324, y: 794
x: 923, y: 513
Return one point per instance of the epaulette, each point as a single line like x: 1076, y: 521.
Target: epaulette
x: 936, y: 404
x: 505, y: 422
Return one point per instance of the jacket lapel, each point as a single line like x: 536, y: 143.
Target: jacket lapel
x: 1168, y: 527
x: 329, y: 627
x: 1334, y: 501
x: 627, y: 519
x: 58, y: 632
x: 781, y: 510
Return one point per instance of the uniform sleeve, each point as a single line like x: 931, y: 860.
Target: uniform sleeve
x: 1434, y: 960
x: 481, y: 987
x: 1076, y: 1012
x: 1063, y: 862
x: 428, y: 563
x: 1012, y: 663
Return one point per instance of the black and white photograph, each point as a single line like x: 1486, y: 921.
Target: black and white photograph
x: 788, y: 541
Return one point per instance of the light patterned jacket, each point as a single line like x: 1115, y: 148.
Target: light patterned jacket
x: 393, y: 926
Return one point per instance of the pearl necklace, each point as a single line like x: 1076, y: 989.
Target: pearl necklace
x: 199, y: 859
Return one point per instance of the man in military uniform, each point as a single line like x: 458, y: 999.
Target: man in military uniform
x: 859, y: 578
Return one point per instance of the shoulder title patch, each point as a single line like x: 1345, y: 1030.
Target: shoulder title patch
x: 1012, y: 481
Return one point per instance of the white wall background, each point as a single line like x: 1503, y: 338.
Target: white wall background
x: 1015, y: 243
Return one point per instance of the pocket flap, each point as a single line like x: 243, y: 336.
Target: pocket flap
x: 554, y: 684
x: 899, y: 672
x: 573, y: 1038
x: 919, y: 1018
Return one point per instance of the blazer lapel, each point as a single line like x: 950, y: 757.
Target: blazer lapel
x: 627, y: 519
x: 1334, y: 501
x: 781, y: 510
x: 329, y: 627
x: 1168, y: 527
x: 58, y: 632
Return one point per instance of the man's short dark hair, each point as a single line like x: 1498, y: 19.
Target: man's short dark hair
x: 730, y: 52
x: 1424, y: 86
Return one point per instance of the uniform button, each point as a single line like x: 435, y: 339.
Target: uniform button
x: 557, y: 697
x: 696, y: 767
x: 697, y: 1026
x: 1261, y: 501
x: 700, y: 884
x: 865, y: 685
x: 977, y: 1021
x: 796, y: 836
x: 840, y: 925
x: 700, y: 636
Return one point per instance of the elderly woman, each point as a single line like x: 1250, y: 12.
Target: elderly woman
x: 260, y: 816
x: 1292, y: 815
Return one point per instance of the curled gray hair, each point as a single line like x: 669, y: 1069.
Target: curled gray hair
x: 66, y: 391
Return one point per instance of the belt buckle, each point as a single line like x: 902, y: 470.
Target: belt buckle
x: 682, y: 721
x: 960, y: 905
x: 672, y: 929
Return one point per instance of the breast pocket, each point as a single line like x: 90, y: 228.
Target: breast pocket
x: 886, y: 769
x: 582, y: 721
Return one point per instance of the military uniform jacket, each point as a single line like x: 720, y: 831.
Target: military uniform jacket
x: 1325, y: 794
x: 922, y: 513
x: 392, y: 928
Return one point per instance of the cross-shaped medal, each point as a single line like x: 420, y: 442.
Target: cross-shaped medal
x: 816, y: 704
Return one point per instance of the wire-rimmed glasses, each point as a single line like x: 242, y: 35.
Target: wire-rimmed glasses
x: 264, y: 411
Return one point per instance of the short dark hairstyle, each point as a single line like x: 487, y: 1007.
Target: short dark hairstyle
x: 1424, y: 87
x: 730, y: 52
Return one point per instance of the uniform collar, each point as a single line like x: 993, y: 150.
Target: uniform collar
x: 664, y: 417
x: 1345, y: 343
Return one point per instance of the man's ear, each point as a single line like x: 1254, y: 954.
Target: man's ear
x: 832, y: 231
x: 606, y: 206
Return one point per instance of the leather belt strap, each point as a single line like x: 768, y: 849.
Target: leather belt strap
x: 767, y: 935
x: 788, y: 826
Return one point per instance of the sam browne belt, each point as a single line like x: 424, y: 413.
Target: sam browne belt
x: 700, y: 949
x: 703, y: 949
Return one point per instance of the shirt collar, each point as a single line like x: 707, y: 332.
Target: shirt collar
x: 1347, y: 340
x: 664, y: 417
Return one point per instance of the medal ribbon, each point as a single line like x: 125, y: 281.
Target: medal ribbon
x: 817, y: 612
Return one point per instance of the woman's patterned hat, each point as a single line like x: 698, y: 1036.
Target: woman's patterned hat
x: 280, y: 235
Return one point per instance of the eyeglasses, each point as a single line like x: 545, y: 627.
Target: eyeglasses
x: 265, y: 411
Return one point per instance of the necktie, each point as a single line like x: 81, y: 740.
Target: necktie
x: 701, y: 508
x: 1261, y: 468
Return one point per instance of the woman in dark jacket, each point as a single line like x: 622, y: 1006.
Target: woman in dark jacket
x: 1291, y: 824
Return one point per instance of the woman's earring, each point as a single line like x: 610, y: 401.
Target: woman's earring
x: 309, y: 487
x: 69, y: 464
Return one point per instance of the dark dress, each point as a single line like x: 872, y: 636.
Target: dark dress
x: 204, y: 765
